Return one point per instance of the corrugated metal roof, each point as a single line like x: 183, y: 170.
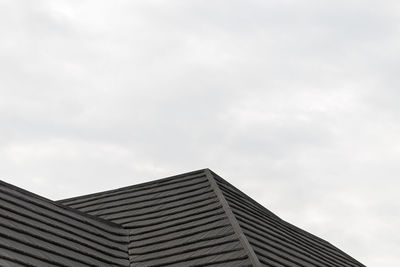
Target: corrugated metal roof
x: 192, y: 219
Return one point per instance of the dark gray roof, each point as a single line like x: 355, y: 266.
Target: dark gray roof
x: 199, y: 219
x: 276, y: 242
x: 35, y: 231
x: 174, y: 221
x: 192, y: 219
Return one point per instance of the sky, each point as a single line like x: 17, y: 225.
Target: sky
x: 296, y: 103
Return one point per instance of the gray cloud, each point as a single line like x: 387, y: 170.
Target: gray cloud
x: 296, y: 103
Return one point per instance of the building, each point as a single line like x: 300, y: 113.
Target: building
x: 192, y: 219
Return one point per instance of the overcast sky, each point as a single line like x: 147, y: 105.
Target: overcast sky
x: 297, y: 103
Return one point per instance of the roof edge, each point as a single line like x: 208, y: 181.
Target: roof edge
x: 288, y: 224
x: 129, y: 186
x: 60, y: 205
x: 232, y: 219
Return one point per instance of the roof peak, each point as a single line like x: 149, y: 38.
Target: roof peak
x: 177, y: 176
x: 231, y: 217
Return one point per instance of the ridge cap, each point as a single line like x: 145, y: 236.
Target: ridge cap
x: 127, y: 187
x: 232, y: 219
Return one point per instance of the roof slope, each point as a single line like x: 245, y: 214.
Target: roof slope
x: 276, y: 242
x: 35, y: 231
x: 199, y: 219
x: 175, y: 221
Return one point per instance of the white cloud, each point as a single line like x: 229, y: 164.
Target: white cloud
x: 294, y: 102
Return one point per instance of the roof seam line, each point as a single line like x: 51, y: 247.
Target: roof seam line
x: 232, y: 219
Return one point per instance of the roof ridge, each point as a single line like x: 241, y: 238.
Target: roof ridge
x: 128, y: 186
x: 232, y: 219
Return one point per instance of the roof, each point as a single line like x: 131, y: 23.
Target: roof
x: 192, y: 219
x: 35, y: 231
x: 275, y: 241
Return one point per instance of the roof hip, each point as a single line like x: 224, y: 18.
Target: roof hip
x: 232, y: 219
